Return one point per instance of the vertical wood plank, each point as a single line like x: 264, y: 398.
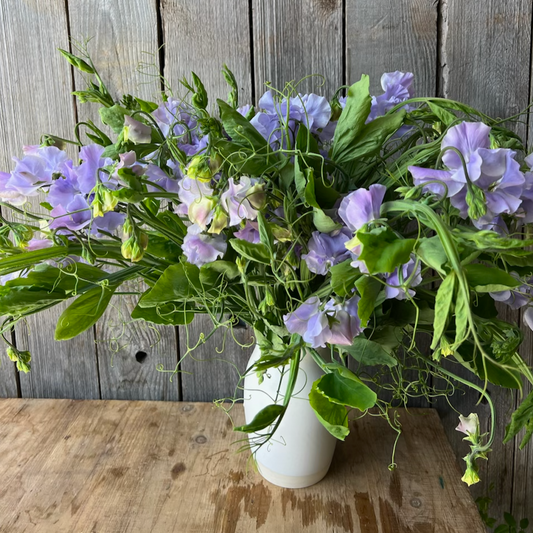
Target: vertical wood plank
x: 8, y: 384
x: 35, y: 84
x: 484, y: 50
x: 125, y: 33
x: 392, y: 35
x: 296, y: 39
x: 217, y: 32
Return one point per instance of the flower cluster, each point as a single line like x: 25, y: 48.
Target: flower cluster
x: 353, y: 224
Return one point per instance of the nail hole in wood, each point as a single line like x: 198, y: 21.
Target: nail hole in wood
x: 141, y: 356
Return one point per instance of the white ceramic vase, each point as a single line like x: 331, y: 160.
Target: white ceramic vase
x: 300, y: 452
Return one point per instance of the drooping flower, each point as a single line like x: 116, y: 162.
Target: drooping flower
x: 238, y: 200
x: 493, y: 171
x: 334, y: 323
x: 200, y: 248
x: 469, y: 425
x: 326, y: 250
x: 393, y: 288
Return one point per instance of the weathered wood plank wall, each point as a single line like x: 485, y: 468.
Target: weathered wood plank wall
x: 478, y: 52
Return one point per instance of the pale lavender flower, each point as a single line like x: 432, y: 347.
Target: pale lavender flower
x: 236, y: 200
x: 249, y: 233
x: 157, y: 176
x: 190, y: 191
x: 88, y: 171
x: 495, y: 171
x: 38, y: 244
x: 393, y: 289
x: 528, y: 317
x: 326, y: 250
x: 73, y: 216
x: 109, y: 223
x: 397, y: 87
x: 8, y: 194
x: 334, y: 324
x: 200, y: 248
x: 362, y: 206
x: 137, y: 132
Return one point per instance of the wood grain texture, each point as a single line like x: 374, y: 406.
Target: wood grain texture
x: 392, y: 35
x: 485, y: 47
x: 202, y: 36
x: 164, y: 467
x: 125, y: 36
x: 296, y: 39
x: 212, y: 29
x: 35, y: 86
x: 8, y: 383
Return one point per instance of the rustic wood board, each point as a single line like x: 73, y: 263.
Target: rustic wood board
x: 296, y: 39
x: 110, y: 466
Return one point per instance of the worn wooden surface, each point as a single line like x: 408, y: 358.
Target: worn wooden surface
x: 475, y: 51
x: 112, y: 466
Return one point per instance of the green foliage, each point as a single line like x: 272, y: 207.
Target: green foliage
x: 520, y: 419
x: 264, y: 418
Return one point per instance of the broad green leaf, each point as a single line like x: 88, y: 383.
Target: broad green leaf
x: 84, y: 312
x: 369, y: 353
x: 167, y: 314
x: 227, y: 268
x: 431, y: 252
x: 331, y: 415
x: 147, y: 107
x: 309, y: 193
x: 323, y: 222
x: 173, y: 222
x: 483, y: 278
x: 461, y: 318
x: 16, y: 301
x: 442, y: 114
x: 352, y: 119
x: 18, y: 262
x: 113, y: 117
x: 242, y: 159
x: 382, y: 251
x: 262, y: 419
x: 343, y: 277
x: 253, y: 252
x: 345, y: 388
x: 521, y: 418
x: 443, y: 304
x: 240, y: 129
x: 299, y: 177
x: 369, y: 289
x: 178, y: 282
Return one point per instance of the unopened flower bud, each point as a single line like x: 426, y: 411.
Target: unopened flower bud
x: 241, y: 264
x: 21, y: 358
x: 201, y: 211
x: 198, y: 169
x: 475, y: 198
x: 470, y: 476
x: 256, y: 196
x: 281, y: 234
x: 336, y: 109
x: 220, y: 220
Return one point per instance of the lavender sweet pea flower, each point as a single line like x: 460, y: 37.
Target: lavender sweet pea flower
x: 200, y: 248
x: 345, y: 324
x: 326, y: 250
x: 393, y: 289
x: 310, y: 322
x: 137, y: 132
x: 38, y: 244
x: 109, y: 223
x: 362, y: 206
x: 528, y: 317
x: 495, y: 171
x: 91, y: 155
x: 158, y: 176
x: 236, y: 200
x: 397, y: 87
x: 8, y: 194
x: 190, y: 191
x: 249, y: 233
x: 74, y: 216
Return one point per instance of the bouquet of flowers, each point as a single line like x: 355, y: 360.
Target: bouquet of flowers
x: 361, y: 224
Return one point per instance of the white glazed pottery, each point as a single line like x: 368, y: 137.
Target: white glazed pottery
x: 300, y: 452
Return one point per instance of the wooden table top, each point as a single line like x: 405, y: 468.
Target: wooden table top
x: 123, y: 466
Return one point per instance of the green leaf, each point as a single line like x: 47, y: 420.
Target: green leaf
x: 77, y: 62
x: 84, y: 312
x: 369, y: 352
x: 147, y: 107
x: 177, y: 283
x: 343, y: 277
x: 431, y: 252
x: 113, y: 117
x: 488, y: 279
x: 227, y: 268
x: 352, y: 119
x: 382, y: 251
x: 323, y: 222
x: 521, y: 418
x: 345, y: 388
x: 461, y: 318
x: 369, y: 289
x: 299, y: 178
x: 253, y: 252
x: 240, y: 129
x: 309, y: 193
x: 442, y: 114
x: 265, y: 233
x: 331, y: 415
x: 262, y: 419
x: 443, y: 304
x: 167, y: 315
